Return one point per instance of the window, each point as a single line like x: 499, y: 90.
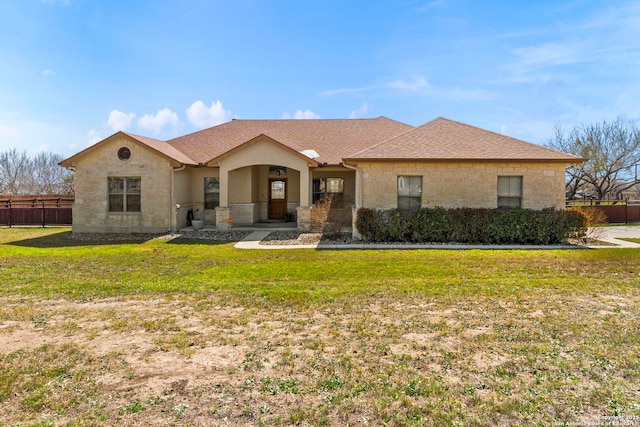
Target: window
x: 409, y: 193
x: 124, y: 194
x: 211, y: 193
x: 324, y: 186
x: 124, y: 153
x: 509, y: 191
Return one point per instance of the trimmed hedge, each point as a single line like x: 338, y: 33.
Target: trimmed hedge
x: 467, y: 225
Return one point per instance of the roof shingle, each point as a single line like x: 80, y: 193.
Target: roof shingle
x: 332, y: 139
x: 444, y: 139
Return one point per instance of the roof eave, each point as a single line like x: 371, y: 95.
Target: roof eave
x: 464, y: 160
x: 70, y: 162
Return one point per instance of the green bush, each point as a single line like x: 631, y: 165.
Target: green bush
x: 467, y: 225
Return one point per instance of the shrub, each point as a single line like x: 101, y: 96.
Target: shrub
x: 467, y: 225
x: 593, y: 217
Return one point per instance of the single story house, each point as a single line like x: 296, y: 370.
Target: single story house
x: 248, y: 171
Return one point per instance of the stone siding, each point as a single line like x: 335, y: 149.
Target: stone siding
x: 91, y: 212
x: 464, y: 184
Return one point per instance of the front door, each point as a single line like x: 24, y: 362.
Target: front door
x: 277, y: 198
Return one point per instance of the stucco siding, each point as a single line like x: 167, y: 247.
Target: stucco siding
x: 463, y: 184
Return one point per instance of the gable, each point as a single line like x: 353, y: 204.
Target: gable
x: 160, y: 148
x: 263, y: 150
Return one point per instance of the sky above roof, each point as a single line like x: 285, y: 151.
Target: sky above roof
x: 73, y: 72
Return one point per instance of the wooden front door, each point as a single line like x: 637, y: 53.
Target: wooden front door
x: 277, y: 198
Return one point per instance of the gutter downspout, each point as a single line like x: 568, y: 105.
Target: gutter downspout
x: 172, y: 206
x: 354, y: 232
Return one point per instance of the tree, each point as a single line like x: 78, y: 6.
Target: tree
x: 37, y: 175
x: 48, y: 176
x: 612, y: 153
x: 13, y: 171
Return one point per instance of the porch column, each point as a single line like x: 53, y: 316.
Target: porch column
x: 223, y: 218
x: 303, y: 213
x: 224, y: 185
x: 305, y: 185
x: 223, y: 212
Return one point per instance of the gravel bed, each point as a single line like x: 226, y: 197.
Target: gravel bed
x: 294, y: 237
x: 219, y: 235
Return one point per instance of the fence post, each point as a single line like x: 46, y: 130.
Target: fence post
x: 626, y: 211
x: 44, y: 216
x: 10, y: 214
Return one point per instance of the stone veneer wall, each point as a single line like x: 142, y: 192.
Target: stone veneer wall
x: 90, y: 211
x: 464, y: 184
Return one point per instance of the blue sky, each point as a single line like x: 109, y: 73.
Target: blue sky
x: 73, y: 72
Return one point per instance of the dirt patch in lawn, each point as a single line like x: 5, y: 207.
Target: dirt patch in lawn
x: 201, y: 360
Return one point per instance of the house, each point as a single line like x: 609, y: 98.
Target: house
x: 248, y: 171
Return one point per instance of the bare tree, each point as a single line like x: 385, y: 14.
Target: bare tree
x: 49, y: 177
x: 611, y: 150
x: 13, y: 168
x: 38, y: 175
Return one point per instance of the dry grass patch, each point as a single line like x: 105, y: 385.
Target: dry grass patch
x: 410, y: 360
x: 475, y: 338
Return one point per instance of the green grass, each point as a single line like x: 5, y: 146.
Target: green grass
x: 384, y: 337
x: 630, y: 239
x: 47, y: 263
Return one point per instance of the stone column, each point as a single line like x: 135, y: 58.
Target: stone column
x: 223, y: 218
x: 304, y: 218
x: 354, y: 217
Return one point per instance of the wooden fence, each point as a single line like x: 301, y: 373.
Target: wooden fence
x: 617, y: 211
x: 36, y: 210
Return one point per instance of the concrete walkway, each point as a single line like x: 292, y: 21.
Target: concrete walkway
x: 612, y: 234
x: 608, y: 234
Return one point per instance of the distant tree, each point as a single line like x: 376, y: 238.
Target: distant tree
x: 38, y: 175
x: 13, y: 171
x: 48, y: 176
x: 612, y: 153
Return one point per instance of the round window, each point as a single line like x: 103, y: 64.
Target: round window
x: 124, y: 153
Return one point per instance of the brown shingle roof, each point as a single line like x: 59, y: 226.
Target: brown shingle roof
x: 162, y: 148
x: 332, y: 139
x: 443, y: 139
x: 336, y: 140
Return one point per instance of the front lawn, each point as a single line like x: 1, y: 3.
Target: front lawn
x: 199, y: 333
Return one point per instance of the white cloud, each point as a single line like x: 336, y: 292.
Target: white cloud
x: 547, y: 55
x: 120, y: 121
x: 362, y: 111
x: 301, y: 115
x: 157, y: 123
x: 348, y: 90
x: 93, y: 136
x: 48, y: 72
x: 203, y: 117
x: 417, y: 84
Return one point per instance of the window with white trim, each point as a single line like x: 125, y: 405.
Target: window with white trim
x: 211, y: 193
x: 509, y: 192
x: 124, y: 194
x: 409, y: 193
